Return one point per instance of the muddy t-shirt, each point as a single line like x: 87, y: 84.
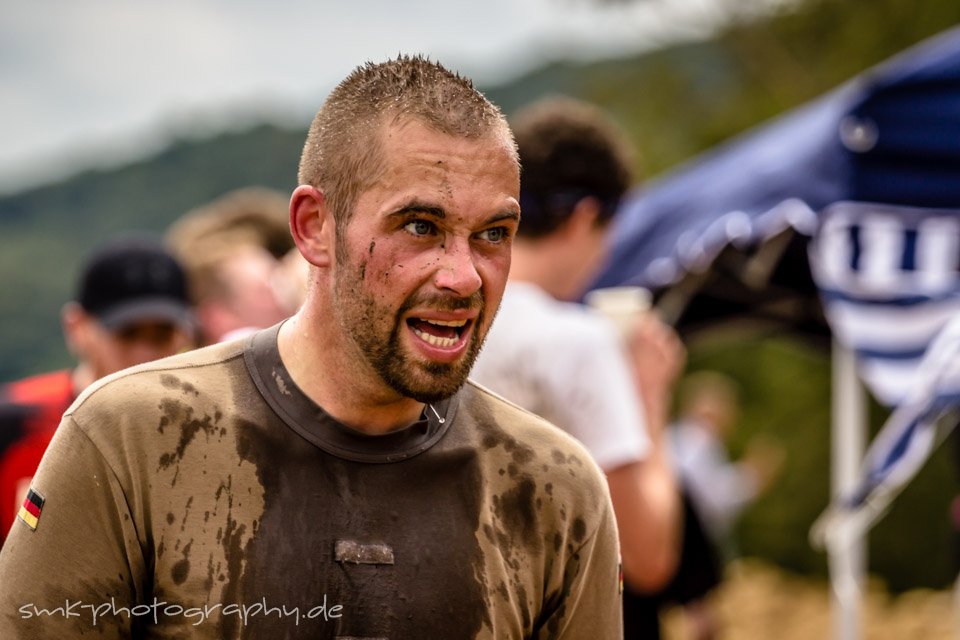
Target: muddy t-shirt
x: 205, y: 496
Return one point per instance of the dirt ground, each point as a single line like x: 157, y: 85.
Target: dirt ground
x: 760, y: 602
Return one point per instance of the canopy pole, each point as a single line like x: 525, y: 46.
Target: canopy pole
x: 847, y: 555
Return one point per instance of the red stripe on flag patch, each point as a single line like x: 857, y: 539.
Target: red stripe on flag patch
x: 31, y: 507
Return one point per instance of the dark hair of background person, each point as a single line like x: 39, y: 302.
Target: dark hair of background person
x: 569, y: 150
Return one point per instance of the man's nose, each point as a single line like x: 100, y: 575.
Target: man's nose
x: 457, y: 270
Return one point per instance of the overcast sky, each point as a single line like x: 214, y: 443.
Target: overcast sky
x: 100, y: 81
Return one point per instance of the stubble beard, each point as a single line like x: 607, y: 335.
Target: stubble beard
x: 376, y: 331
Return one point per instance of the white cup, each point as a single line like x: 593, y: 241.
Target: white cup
x: 622, y: 305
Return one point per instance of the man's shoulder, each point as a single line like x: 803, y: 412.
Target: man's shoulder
x: 141, y: 384
x: 520, y: 449
x: 503, y: 411
x: 496, y: 415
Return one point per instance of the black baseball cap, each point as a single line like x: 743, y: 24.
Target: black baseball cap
x: 131, y: 279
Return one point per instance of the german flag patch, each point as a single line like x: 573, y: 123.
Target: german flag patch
x: 30, y: 511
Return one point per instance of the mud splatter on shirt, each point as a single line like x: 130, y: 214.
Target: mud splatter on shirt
x: 207, y: 496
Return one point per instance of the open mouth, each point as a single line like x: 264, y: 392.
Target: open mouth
x: 444, y: 334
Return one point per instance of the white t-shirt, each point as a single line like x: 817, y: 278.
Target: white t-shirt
x: 565, y: 362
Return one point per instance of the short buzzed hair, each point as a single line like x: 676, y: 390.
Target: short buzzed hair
x: 343, y: 151
x: 569, y: 150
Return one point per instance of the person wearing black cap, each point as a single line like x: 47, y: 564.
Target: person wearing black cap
x: 131, y: 307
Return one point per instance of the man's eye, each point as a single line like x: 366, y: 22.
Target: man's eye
x: 496, y: 234
x: 419, y: 227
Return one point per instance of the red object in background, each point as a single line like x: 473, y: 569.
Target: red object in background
x: 955, y: 513
x: 44, y: 398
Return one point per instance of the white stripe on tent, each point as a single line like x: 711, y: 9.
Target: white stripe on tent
x: 889, y: 327
x: 938, y: 248
x: 889, y: 380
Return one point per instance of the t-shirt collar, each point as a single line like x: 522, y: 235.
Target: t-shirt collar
x: 303, y: 415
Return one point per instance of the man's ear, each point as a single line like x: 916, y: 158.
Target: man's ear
x: 76, y: 328
x: 583, y: 219
x: 312, y: 225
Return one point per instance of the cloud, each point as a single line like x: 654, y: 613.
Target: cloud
x: 87, y: 75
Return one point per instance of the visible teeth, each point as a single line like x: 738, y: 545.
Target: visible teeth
x: 435, y: 340
x: 447, y: 323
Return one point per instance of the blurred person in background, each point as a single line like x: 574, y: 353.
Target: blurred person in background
x: 569, y: 363
x: 242, y: 266
x: 716, y: 490
x: 131, y: 307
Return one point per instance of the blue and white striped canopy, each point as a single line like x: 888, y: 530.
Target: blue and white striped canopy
x: 869, y: 173
x: 867, y: 178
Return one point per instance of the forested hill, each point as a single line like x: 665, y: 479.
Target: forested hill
x: 674, y: 102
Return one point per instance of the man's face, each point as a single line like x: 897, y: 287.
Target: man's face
x: 252, y: 296
x: 424, y: 259
x: 107, y: 351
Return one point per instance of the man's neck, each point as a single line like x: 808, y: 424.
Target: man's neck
x: 534, y: 262
x: 317, y: 359
x: 82, y: 377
